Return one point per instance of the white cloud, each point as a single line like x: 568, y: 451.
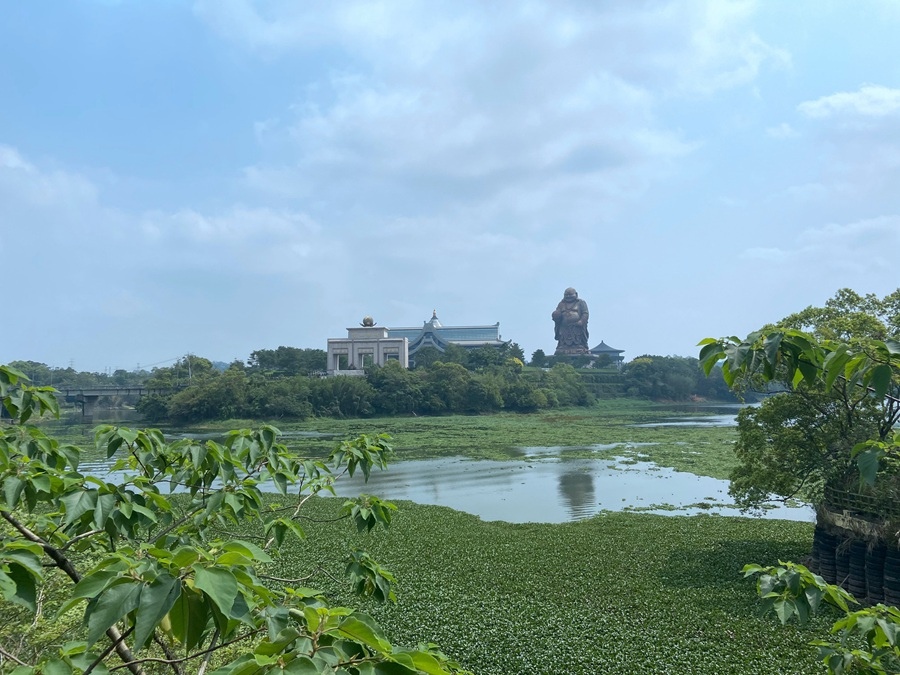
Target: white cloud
x: 782, y: 131
x: 807, y: 192
x: 542, y: 114
x: 870, y: 242
x: 22, y: 181
x: 869, y: 101
x: 693, y: 46
x: 241, y: 239
x: 771, y: 255
x: 724, y: 53
x: 11, y: 159
x: 847, y: 254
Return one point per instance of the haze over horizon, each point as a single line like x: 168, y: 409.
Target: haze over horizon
x: 219, y: 176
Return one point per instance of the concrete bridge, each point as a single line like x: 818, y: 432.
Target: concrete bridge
x: 87, y: 397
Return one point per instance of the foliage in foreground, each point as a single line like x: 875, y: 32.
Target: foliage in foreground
x: 839, y: 406
x: 160, y: 580
x: 868, y: 639
x: 846, y: 376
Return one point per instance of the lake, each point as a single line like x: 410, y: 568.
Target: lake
x: 548, y: 489
x: 544, y: 485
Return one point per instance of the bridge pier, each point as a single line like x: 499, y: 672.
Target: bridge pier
x: 88, y: 404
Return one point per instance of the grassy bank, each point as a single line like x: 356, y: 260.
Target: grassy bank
x: 620, y: 593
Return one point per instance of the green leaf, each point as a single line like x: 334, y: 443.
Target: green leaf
x: 106, y: 504
x: 92, y: 584
x: 25, y: 593
x: 56, y: 667
x: 78, y: 503
x: 219, y: 585
x: 12, y: 490
x: 248, y: 549
x: 869, y: 461
x: 190, y: 618
x: 363, y: 629
x: 809, y: 371
x: 110, y: 606
x: 302, y: 665
x: 157, y: 598
x: 784, y: 609
x: 280, y: 482
x: 426, y: 663
x: 26, y: 555
x: 880, y: 379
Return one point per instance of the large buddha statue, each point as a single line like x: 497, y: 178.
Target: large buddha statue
x: 571, y: 319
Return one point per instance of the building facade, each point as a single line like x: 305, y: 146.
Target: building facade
x: 371, y: 344
x: 434, y: 334
x: 363, y: 346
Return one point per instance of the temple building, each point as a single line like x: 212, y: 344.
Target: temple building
x: 371, y: 344
x: 363, y: 346
x: 603, y: 349
x: 434, y: 334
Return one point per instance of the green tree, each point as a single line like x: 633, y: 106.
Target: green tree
x: 483, y: 395
x: 398, y: 390
x: 342, y: 396
x: 840, y: 406
x: 838, y: 393
x: 850, y: 317
x: 187, y: 370
x: 486, y: 356
x: 538, y: 358
x: 217, y: 398
x: 567, y: 386
x: 514, y: 350
x: 284, y: 398
x: 287, y: 361
x: 794, y: 444
x: 426, y: 357
x: 669, y: 378
x: 159, y: 580
x: 446, y: 388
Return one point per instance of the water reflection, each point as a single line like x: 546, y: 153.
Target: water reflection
x: 577, y: 489
x: 521, y: 492
x: 729, y: 420
x: 709, y: 415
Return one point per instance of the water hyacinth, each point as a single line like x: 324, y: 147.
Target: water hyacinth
x: 621, y: 592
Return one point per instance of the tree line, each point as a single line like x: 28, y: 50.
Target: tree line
x: 287, y: 383
x: 440, y: 388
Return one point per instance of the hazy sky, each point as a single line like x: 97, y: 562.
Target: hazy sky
x: 221, y: 176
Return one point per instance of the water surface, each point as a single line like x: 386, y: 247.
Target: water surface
x: 543, y: 488
x: 549, y: 489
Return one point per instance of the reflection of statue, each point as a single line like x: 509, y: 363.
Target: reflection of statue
x: 577, y: 489
x: 571, y: 319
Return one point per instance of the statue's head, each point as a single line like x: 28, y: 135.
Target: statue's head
x: 570, y: 294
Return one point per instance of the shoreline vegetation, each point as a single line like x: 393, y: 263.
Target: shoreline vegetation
x: 609, y: 428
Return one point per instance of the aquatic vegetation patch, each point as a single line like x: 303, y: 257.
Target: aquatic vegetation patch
x: 621, y: 592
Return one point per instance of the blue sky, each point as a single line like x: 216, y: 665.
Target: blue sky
x: 221, y: 176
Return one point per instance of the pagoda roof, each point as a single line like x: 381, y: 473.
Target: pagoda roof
x: 432, y: 332
x: 604, y: 348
